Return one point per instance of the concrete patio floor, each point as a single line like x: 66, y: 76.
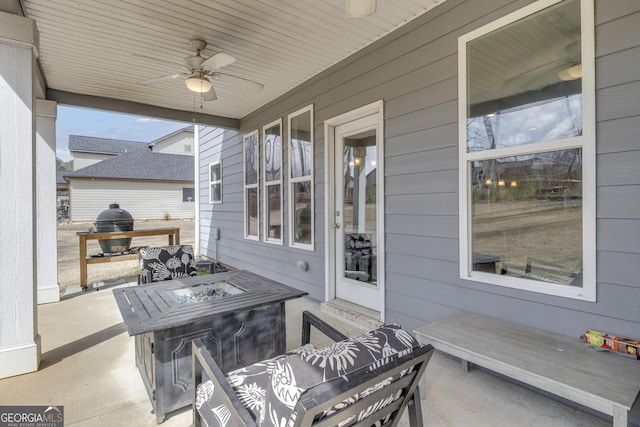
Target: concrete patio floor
x: 88, y: 367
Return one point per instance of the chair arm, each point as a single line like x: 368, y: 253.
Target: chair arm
x: 309, y: 319
x: 203, y: 362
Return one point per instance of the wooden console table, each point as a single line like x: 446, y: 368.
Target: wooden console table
x: 173, y: 234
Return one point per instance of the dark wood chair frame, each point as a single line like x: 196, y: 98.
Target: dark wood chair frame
x: 324, y: 396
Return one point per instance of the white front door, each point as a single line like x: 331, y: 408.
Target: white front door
x: 356, y: 210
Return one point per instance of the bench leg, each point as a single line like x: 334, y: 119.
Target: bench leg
x: 465, y: 365
x: 620, y: 417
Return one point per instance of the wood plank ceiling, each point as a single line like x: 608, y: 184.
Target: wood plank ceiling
x: 106, y: 48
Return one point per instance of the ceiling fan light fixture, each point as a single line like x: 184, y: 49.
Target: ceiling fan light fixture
x: 571, y: 73
x: 196, y: 82
x: 361, y: 8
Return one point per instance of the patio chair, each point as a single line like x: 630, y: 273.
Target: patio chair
x: 166, y: 263
x: 363, y: 381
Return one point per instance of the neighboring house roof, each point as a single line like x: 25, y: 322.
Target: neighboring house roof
x: 140, y: 165
x: 60, y: 177
x: 185, y: 129
x: 92, y: 144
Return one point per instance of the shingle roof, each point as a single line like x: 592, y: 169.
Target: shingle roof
x: 140, y: 165
x: 59, y: 177
x: 103, y: 145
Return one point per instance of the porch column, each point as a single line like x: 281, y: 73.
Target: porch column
x: 47, y: 250
x: 19, y: 339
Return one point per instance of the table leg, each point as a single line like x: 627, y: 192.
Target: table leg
x: 83, y: 262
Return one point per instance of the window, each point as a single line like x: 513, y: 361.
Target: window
x: 527, y: 150
x: 188, y: 194
x: 251, y: 196
x: 272, y: 181
x: 300, y: 125
x: 215, y: 182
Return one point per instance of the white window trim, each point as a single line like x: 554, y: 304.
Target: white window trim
x: 292, y: 181
x: 266, y: 184
x: 249, y: 186
x: 212, y: 182
x: 586, y: 141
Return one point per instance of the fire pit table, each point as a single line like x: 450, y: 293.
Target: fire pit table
x: 239, y: 315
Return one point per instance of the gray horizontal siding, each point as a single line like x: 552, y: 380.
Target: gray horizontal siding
x: 414, y: 70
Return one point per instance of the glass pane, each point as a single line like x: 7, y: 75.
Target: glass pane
x: 272, y: 153
x: 274, y: 223
x: 359, y: 205
x: 188, y: 194
x: 215, y: 172
x: 216, y: 192
x: 251, y: 159
x: 527, y: 216
x: 524, y: 81
x: 301, y: 155
x: 252, y: 211
x: 302, y: 212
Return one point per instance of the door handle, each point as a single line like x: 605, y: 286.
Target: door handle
x: 336, y: 225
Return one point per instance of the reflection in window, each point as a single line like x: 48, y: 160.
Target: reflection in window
x: 251, y: 219
x: 528, y: 95
x: 302, y: 212
x: 215, y: 182
x: 251, y: 202
x: 548, y: 120
x: 527, y: 216
x: 525, y: 141
x: 188, y: 194
x: 301, y: 178
x: 272, y: 181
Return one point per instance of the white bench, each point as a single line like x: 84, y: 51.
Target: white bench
x: 565, y: 367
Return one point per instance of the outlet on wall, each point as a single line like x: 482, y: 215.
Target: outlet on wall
x: 302, y: 266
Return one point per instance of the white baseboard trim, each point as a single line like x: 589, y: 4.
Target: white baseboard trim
x: 49, y: 294
x: 20, y: 359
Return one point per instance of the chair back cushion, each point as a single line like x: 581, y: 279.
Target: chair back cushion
x: 167, y: 262
x: 270, y: 389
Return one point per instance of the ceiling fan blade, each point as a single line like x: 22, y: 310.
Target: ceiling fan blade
x: 209, y: 96
x: 218, y: 61
x: 238, y: 81
x: 162, y: 78
x: 538, y: 77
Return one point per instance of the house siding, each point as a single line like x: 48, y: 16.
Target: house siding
x: 175, y: 144
x: 414, y: 70
x: 82, y: 160
x: 143, y: 200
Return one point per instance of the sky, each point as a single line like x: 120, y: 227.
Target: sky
x: 104, y: 124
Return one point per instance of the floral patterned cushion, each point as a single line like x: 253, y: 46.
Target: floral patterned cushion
x: 249, y: 383
x: 271, y: 389
x: 166, y: 263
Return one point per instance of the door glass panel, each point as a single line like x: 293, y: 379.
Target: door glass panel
x: 359, y: 207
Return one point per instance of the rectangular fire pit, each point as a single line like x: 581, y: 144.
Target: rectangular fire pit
x: 239, y: 315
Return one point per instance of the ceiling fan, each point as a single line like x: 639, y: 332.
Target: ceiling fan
x: 564, y: 65
x: 199, y: 72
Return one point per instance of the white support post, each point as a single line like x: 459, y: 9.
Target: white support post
x: 47, y: 252
x: 19, y: 339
